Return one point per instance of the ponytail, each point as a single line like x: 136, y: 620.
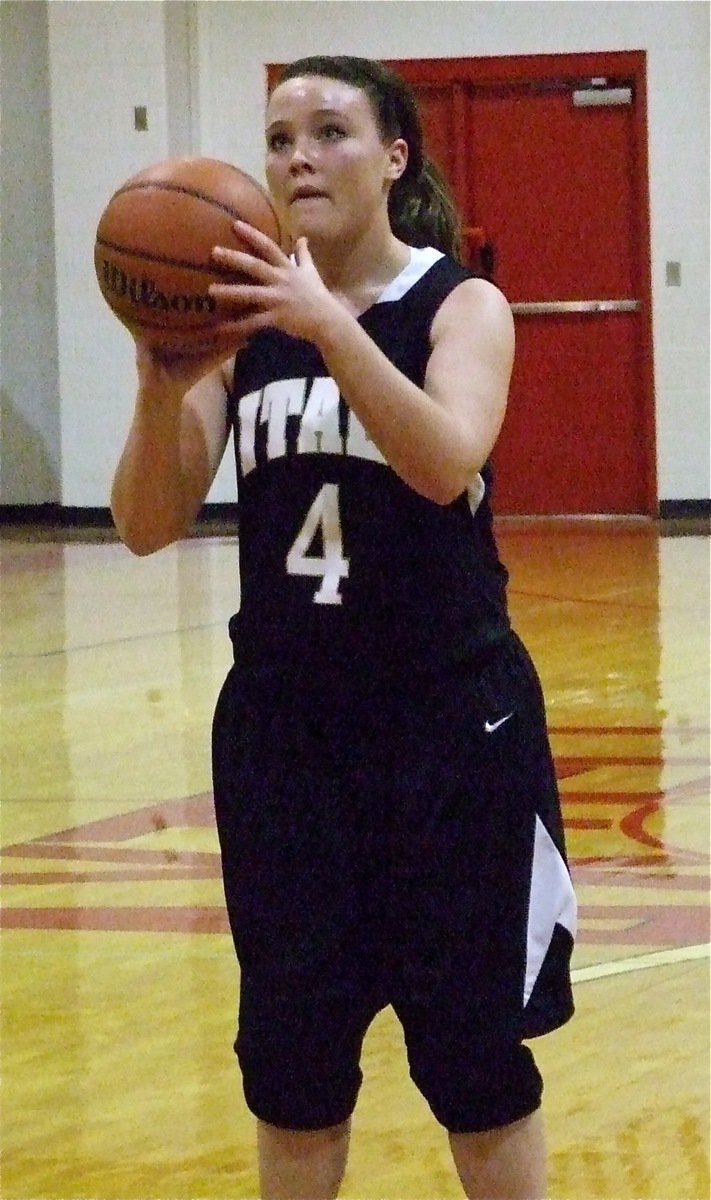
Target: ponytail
x: 423, y: 213
x: 421, y: 208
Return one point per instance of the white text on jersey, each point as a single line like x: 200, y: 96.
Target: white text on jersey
x: 315, y: 409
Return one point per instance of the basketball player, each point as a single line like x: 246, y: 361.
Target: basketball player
x: 386, y: 804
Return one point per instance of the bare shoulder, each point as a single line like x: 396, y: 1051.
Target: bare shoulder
x: 475, y: 304
x: 475, y: 325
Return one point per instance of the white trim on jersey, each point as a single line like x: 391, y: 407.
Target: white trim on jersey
x: 552, y: 902
x: 421, y: 259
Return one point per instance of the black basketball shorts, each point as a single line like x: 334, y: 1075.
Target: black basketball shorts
x: 397, y: 845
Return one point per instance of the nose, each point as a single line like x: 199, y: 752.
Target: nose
x: 299, y: 160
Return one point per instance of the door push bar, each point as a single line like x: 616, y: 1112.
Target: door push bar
x: 536, y: 308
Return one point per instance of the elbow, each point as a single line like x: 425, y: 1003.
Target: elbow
x: 445, y: 473
x: 145, y: 528
x: 142, y: 540
x: 439, y: 496
x: 140, y: 544
x: 443, y: 496
x: 142, y: 548
x: 445, y: 487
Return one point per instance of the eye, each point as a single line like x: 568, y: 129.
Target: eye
x: 277, y: 141
x: 331, y: 132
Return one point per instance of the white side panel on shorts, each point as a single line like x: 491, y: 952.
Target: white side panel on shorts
x: 476, y: 492
x: 552, y: 903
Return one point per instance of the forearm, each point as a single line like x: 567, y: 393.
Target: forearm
x: 420, y: 439
x: 148, y: 501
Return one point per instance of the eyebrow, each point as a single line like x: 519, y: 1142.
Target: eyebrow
x: 319, y: 112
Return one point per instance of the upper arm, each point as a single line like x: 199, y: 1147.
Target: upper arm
x: 469, y: 369
x: 204, y: 431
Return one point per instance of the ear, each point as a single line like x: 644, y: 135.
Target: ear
x: 397, y: 159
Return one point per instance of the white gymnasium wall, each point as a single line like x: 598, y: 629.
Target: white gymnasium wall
x: 107, y: 56
x: 30, y: 467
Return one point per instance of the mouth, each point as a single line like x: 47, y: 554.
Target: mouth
x: 307, y: 193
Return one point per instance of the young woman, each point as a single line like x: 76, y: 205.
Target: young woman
x: 386, y: 804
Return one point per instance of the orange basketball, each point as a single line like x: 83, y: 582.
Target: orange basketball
x: 155, y: 238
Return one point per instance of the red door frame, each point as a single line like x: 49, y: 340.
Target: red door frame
x: 629, y: 66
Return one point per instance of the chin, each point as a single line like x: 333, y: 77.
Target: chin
x: 315, y: 230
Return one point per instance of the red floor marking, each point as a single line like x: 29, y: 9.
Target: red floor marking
x: 200, y: 861
x: 194, y: 811
x: 29, y: 878
x: 636, y: 816
x: 659, y: 881
x: 567, y: 766
x: 649, y: 925
x: 680, y: 858
x: 692, y: 790
x: 624, y: 730
x: 587, y: 823
x: 126, y: 920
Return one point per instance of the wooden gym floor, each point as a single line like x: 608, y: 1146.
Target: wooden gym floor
x: 118, y: 981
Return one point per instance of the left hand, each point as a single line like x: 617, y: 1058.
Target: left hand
x: 283, y: 293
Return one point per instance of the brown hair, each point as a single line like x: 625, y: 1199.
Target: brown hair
x: 420, y: 205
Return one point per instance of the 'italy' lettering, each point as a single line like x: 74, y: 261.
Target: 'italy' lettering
x: 302, y: 416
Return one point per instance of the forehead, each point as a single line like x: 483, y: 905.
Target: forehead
x: 310, y: 95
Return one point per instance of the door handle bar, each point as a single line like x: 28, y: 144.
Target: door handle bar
x: 536, y: 308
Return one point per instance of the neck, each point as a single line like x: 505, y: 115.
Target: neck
x: 366, y: 265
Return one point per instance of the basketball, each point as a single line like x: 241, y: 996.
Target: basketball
x: 155, y: 237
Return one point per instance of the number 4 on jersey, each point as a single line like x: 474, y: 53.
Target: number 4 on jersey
x: 330, y: 566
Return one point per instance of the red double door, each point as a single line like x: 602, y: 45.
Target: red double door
x: 547, y: 158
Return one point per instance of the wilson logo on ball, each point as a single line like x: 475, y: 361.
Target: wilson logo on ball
x: 154, y: 243
x: 143, y: 292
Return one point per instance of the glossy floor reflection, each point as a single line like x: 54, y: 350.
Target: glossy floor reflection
x: 117, y: 973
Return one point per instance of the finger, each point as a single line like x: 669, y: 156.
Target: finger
x: 237, y: 262
x: 241, y: 295
x: 302, y: 253
x: 267, y: 248
x: 249, y: 325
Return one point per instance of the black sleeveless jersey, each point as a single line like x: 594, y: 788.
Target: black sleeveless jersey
x: 341, y: 562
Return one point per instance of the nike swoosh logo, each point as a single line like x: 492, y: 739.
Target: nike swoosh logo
x: 490, y: 726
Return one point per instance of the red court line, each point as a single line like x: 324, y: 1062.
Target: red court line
x: 157, y: 919
x: 647, y: 925
x: 197, y: 811
x: 195, y: 859
x: 664, y: 878
x: 692, y: 789
x: 193, y: 811
x: 576, y: 764
x: 623, y: 730
x: 672, y: 860
x: 30, y: 878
